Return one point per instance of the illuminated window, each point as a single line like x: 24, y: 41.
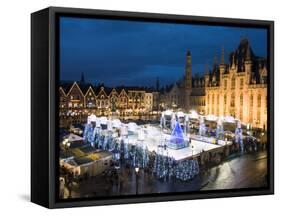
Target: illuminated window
x: 241, y: 83
x: 218, y: 104
x: 232, y: 102
x: 233, y: 82
x: 259, y: 100
x: 241, y: 100
x: 258, y: 116
x: 251, y: 100
x: 225, y: 84
x: 251, y: 108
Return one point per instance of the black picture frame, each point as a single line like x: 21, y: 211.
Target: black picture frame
x: 44, y: 97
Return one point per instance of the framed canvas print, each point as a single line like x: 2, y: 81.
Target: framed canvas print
x: 138, y: 107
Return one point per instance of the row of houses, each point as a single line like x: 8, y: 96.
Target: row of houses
x: 79, y: 95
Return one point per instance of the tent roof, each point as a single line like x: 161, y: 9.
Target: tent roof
x: 74, y: 138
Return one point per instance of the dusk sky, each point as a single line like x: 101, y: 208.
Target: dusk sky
x: 131, y: 53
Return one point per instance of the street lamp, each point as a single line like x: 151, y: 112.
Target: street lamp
x: 137, y: 179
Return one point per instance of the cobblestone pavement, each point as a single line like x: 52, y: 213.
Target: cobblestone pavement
x: 241, y: 172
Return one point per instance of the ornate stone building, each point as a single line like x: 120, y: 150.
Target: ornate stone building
x: 237, y: 88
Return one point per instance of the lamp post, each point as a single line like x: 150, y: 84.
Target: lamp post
x: 137, y: 179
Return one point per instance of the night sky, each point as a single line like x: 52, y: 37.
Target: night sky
x: 131, y: 53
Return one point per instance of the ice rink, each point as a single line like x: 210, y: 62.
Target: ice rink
x: 154, y: 136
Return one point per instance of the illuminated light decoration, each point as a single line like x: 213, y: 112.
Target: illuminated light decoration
x: 88, y: 133
x: 98, y: 122
x: 109, y: 125
x: 180, y: 114
x: 211, y: 118
x: 124, y: 130
x: 141, y: 135
x: 116, y: 123
x: 239, y: 136
x: 173, y: 121
x: 162, y: 121
x: 161, y: 163
x: 186, y: 170
x: 202, y: 126
x: 177, y: 140
x: 132, y: 127
x: 103, y: 120
x: 168, y: 112
x: 91, y: 118
x: 166, y: 167
x: 186, y: 125
x: 219, y: 130
x: 229, y: 119
x: 193, y: 114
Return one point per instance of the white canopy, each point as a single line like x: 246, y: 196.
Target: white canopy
x: 116, y: 123
x: 74, y: 138
x: 180, y: 114
x: 229, y: 119
x: 103, y: 120
x: 211, y: 118
x: 132, y: 126
x: 91, y: 118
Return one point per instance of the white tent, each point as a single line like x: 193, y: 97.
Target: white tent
x: 116, y: 123
x: 91, y: 118
x: 180, y: 114
x: 74, y: 138
x: 132, y: 126
x: 211, y: 118
x: 103, y: 120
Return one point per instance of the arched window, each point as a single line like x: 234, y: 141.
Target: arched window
x: 233, y: 83
x: 251, y: 100
x: 232, y: 102
x: 241, y: 83
x: 259, y: 100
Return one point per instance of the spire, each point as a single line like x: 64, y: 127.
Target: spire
x: 82, y: 80
x: 248, y: 53
x: 215, y: 60
x: 157, y: 84
x: 206, y: 69
x: 188, y: 70
x: 233, y: 59
x: 222, y: 55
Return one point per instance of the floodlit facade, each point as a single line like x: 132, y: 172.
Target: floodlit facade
x: 237, y: 88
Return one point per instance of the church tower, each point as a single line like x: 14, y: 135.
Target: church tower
x: 188, y: 82
x: 248, y: 64
x: 207, y: 75
x: 82, y: 79
x: 222, y: 64
x: 188, y: 71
